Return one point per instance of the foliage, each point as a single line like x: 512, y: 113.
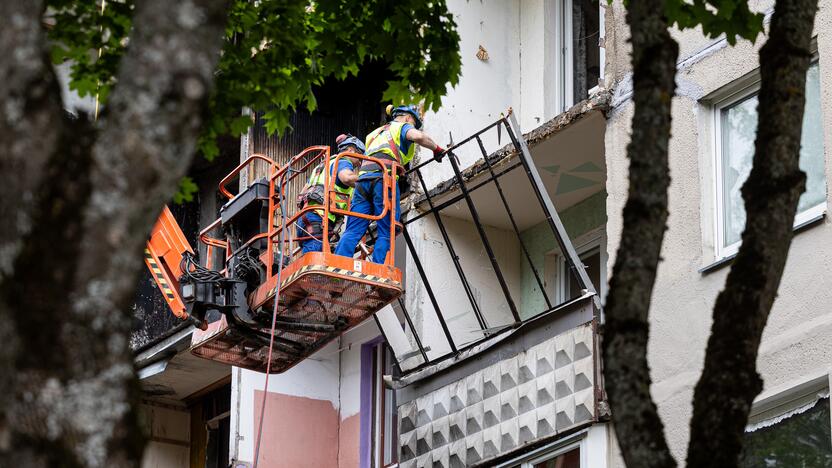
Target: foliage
x: 730, y: 17
x: 277, y: 51
x: 187, y: 189
x: 79, y: 31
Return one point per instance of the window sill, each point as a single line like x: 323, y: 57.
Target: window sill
x: 721, y: 262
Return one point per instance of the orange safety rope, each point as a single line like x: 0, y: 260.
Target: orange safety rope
x: 274, y: 321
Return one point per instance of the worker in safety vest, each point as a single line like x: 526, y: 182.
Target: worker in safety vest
x: 309, y: 225
x: 392, y: 142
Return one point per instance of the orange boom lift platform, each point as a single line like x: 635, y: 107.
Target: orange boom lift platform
x: 252, y: 263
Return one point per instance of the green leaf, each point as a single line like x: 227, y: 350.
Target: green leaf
x: 277, y: 52
x: 187, y: 189
x: 733, y: 18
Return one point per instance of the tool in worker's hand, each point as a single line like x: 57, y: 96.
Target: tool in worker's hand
x: 500, y: 129
x: 450, y: 145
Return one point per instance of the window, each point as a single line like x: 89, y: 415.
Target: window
x: 592, y: 262
x: 564, y: 285
x: 385, y: 417
x: 736, y: 125
x: 565, y: 457
x: 581, y: 61
x: 798, y: 437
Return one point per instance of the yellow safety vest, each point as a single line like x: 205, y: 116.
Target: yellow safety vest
x: 318, y: 177
x: 385, y: 143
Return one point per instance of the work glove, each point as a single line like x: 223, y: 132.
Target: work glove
x: 438, y: 153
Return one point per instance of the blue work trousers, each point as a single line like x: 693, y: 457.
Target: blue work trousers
x: 357, y: 227
x: 303, y: 230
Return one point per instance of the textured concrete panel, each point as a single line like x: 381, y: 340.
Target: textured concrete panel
x: 424, y: 440
x: 457, y: 393
x: 440, y: 435
x: 424, y: 410
x: 456, y: 426
x: 441, y: 402
x: 538, y: 393
x: 491, y: 411
x: 456, y: 454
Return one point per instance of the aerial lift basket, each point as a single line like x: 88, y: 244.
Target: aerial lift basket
x: 321, y: 294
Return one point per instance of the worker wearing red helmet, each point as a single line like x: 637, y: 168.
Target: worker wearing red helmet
x: 309, y: 225
x: 392, y: 142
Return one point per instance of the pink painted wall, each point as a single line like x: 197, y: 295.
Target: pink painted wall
x: 298, y: 432
x: 348, y: 442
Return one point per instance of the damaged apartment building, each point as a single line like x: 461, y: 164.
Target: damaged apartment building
x: 492, y: 355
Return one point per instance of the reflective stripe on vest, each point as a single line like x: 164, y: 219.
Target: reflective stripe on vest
x: 385, y: 143
x: 319, y: 178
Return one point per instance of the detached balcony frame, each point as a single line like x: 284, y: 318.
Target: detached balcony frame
x: 422, y: 340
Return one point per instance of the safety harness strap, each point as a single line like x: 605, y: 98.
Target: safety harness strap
x: 363, y: 192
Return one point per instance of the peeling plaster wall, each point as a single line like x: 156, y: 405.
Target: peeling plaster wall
x: 313, y: 384
x: 517, y: 37
x: 312, y: 411
x: 298, y: 431
x: 796, y: 342
x: 486, y: 87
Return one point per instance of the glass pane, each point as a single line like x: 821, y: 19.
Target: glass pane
x: 592, y: 263
x: 570, y: 459
x: 811, y: 144
x: 739, y: 125
x: 586, y: 55
x: 801, y: 440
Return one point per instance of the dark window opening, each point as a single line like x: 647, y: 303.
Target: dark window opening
x: 592, y: 263
x: 586, y: 53
x: 211, y: 429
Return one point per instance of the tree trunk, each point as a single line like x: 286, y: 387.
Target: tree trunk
x: 74, y: 394
x: 637, y: 424
x: 729, y: 381
x: 30, y: 125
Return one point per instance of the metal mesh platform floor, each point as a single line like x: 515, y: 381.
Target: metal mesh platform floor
x: 318, y: 289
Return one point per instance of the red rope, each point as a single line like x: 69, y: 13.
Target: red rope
x: 274, y: 321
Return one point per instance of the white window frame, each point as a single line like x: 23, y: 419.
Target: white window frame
x: 554, y: 450
x: 564, y: 62
x: 581, y: 445
x: 743, y: 89
x: 595, y: 239
x: 380, y: 410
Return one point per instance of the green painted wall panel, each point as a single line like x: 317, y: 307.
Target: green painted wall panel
x: 578, y: 220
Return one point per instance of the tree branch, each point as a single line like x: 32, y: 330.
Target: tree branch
x: 638, y: 427
x: 729, y: 381
x: 76, y: 395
